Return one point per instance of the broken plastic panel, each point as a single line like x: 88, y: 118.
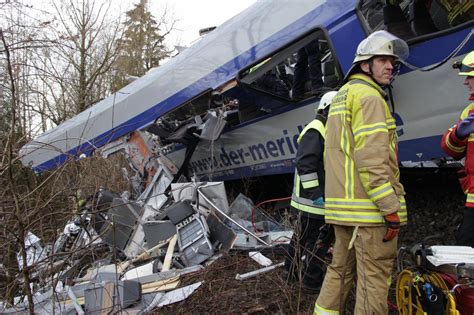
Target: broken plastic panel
x: 121, y: 220
x: 34, y: 250
x: 214, y: 190
x: 153, y: 198
x: 106, y: 296
x: 158, y: 231
x: 212, y: 128
x: 193, y: 240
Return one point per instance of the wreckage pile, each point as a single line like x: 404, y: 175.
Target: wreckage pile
x: 183, y: 241
x: 121, y: 254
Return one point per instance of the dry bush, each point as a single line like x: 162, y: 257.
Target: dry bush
x: 42, y: 203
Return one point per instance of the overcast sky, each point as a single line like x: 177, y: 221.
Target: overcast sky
x: 193, y: 15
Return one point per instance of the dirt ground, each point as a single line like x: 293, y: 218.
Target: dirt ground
x: 434, y: 201
x: 221, y: 293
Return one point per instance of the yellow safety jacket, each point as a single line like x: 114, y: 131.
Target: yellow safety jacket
x: 458, y: 11
x: 305, y: 185
x: 362, y: 174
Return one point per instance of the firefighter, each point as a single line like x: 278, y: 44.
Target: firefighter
x: 308, y: 202
x: 364, y: 197
x: 457, y: 142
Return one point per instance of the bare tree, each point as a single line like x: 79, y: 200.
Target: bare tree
x: 52, y: 66
x: 42, y: 61
x: 85, y: 34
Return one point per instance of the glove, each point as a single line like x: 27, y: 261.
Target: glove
x: 392, y: 222
x: 319, y: 202
x: 465, y: 127
x: 326, y: 235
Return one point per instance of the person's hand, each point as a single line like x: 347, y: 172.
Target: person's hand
x: 392, y: 222
x: 326, y: 236
x: 319, y: 201
x: 465, y: 127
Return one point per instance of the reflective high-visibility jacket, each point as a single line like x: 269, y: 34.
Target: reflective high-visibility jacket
x: 362, y: 174
x: 458, y: 149
x: 309, y: 173
x: 458, y: 11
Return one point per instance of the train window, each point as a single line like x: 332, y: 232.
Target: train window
x: 305, y: 69
x: 412, y: 18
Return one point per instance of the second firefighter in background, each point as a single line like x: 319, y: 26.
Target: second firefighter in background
x: 458, y: 142
x: 307, y: 201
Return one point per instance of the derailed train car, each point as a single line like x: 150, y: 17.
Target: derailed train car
x: 210, y: 111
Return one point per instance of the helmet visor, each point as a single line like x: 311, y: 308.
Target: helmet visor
x: 383, y: 43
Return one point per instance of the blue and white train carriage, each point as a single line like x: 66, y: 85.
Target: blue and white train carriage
x: 221, y: 74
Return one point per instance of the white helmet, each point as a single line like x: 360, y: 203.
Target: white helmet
x: 380, y: 43
x: 326, y: 100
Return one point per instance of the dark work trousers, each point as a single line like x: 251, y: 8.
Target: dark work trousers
x: 308, y: 66
x: 303, y: 243
x: 465, y: 233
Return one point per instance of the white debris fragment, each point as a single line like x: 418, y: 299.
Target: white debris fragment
x: 261, y: 259
x: 252, y: 274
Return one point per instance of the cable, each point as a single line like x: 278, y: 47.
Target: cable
x: 454, y: 52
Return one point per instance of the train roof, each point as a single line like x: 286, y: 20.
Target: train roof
x: 211, y: 62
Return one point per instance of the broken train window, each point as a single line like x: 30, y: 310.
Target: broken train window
x: 412, y: 18
x: 304, y: 69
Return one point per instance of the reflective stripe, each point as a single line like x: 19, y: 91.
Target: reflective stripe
x: 339, y: 111
x: 301, y: 200
x: 345, y: 203
x: 296, y: 184
x: 356, y: 78
x: 338, y: 107
x: 310, y: 209
x: 350, y: 203
x: 381, y: 191
x: 310, y: 184
x: 457, y: 10
x: 309, y: 176
x: 470, y: 198
x: 446, y: 4
x: 316, y: 125
x: 336, y: 210
x: 370, y: 129
x: 307, y: 181
x: 354, y: 216
x: 319, y: 310
x: 360, y: 216
x: 451, y: 146
x: 349, y: 165
x: 359, y: 81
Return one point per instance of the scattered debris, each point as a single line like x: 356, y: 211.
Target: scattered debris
x: 252, y: 274
x: 174, y: 296
x: 119, y: 253
x: 262, y: 260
